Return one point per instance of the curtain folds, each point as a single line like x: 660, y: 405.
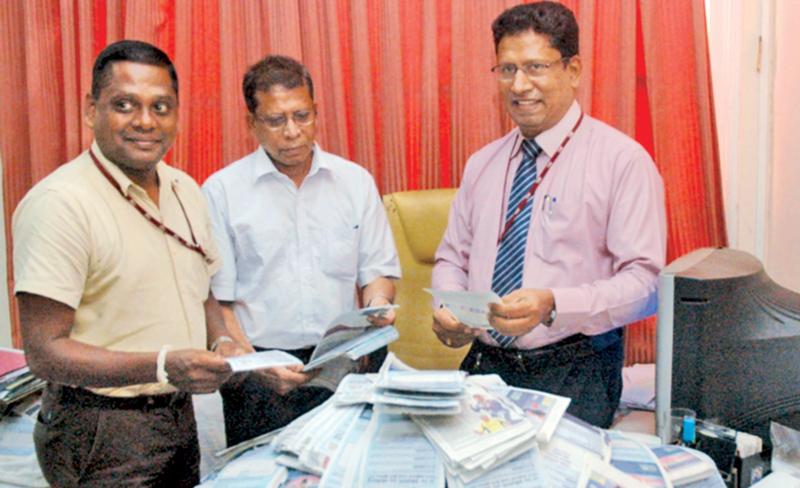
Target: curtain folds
x: 403, y: 88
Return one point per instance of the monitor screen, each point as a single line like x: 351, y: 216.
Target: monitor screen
x: 728, y: 343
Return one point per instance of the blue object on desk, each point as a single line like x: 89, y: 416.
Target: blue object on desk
x: 688, y: 436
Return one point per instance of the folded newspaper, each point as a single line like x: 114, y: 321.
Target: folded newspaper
x: 470, y: 308
x: 349, y: 337
x: 352, y: 335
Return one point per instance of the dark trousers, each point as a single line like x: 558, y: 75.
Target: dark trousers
x: 83, y: 439
x: 587, y: 370
x: 252, y: 408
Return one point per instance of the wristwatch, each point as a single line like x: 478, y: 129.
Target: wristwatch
x: 548, y: 321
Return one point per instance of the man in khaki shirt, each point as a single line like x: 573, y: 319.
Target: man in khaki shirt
x: 113, y: 255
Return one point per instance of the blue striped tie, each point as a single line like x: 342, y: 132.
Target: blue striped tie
x: 510, y: 259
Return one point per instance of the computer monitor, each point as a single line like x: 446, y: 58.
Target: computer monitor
x: 728, y: 343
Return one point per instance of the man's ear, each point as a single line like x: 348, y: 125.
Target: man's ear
x: 574, y: 68
x: 89, y: 110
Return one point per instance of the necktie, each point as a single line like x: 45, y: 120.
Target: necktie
x: 510, y: 260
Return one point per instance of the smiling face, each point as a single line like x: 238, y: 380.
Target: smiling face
x: 290, y: 146
x: 536, y: 103
x: 135, y: 117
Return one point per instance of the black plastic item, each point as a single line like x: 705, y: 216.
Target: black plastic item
x: 721, y: 449
x: 736, y: 342
x: 752, y: 469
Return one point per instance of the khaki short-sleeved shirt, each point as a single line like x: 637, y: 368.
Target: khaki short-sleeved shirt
x: 133, y: 288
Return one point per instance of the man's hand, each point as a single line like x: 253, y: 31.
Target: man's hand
x: 229, y: 349
x: 450, y: 331
x: 284, y: 380
x: 521, y: 311
x: 197, y: 371
x: 384, y: 318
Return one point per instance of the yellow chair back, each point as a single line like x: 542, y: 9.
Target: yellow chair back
x: 418, y: 220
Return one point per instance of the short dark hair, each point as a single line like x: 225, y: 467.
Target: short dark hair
x: 548, y: 18
x: 133, y: 51
x: 271, y: 71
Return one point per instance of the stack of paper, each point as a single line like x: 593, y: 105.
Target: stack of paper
x: 488, y: 431
x: 16, y: 380
x: 544, y: 410
x: 309, y: 443
x: 256, y: 468
x: 385, y: 450
x: 683, y: 465
x: 500, y: 436
x: 401, y: 389
x: 574, y: 445
x: 637, y: 460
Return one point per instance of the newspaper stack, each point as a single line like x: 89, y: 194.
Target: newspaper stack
x: 384, y: 450
x: 400, y: 389
x: 683, y: 466
x: 637, y: 460
x: 16, y: 380
x: 575, y: 447
x: 309, y: 443
x: 501, y: 436
x: 489, y: 431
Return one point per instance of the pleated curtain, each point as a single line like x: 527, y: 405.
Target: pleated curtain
x: 403, y: 88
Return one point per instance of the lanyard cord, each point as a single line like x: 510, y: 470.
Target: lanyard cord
x: 194, y: 246
x: 538, y: 180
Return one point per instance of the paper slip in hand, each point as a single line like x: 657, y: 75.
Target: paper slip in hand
x: 262, y: 360
x: 360, y: 317
x: 470, y: 308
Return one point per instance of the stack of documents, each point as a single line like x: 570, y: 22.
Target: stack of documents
x: 488, y: 431
x: 499, y: 436
x: 682, y: 465
x: 385, y: 450
x: 16, y: 380
x: 309, y: 443
x: 637, y: 460
x: 401, y: 389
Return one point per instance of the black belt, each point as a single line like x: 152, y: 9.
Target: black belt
x: 301, y: 354
x: 68, y: 395
x: 563, y: 352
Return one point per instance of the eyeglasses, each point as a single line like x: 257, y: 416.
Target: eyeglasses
x: 278, y: 121
x: 506, y: 72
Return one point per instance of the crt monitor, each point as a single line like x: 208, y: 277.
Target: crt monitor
x: 728, y: 343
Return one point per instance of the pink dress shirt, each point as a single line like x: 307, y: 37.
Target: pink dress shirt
x: 598, y: 228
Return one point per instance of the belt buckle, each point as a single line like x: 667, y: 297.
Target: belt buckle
x: 520, y: 361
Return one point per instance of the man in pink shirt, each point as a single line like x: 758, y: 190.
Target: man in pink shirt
x: 563, y: 217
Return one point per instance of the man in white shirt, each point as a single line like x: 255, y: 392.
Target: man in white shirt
x: 303, y: 237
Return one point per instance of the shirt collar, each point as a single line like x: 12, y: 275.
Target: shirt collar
x: 550, y: 139
x: 264, y: 165
x: 122, y: 179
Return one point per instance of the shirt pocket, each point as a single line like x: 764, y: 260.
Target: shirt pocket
x: 556, y: 226
x: 339, y: 256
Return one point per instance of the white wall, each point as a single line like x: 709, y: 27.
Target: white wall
x: 783, y: 229
x: 758, y: 128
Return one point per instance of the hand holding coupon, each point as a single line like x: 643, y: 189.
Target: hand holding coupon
x: 470, y: 308
x: 349, y: 337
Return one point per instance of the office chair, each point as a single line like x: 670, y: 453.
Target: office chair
x: 418, y: 220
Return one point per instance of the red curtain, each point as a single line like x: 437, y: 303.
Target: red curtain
x: 403, y: 88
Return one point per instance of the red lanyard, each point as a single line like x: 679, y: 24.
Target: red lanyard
x: 194, y: 246
x: 538, y: 180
